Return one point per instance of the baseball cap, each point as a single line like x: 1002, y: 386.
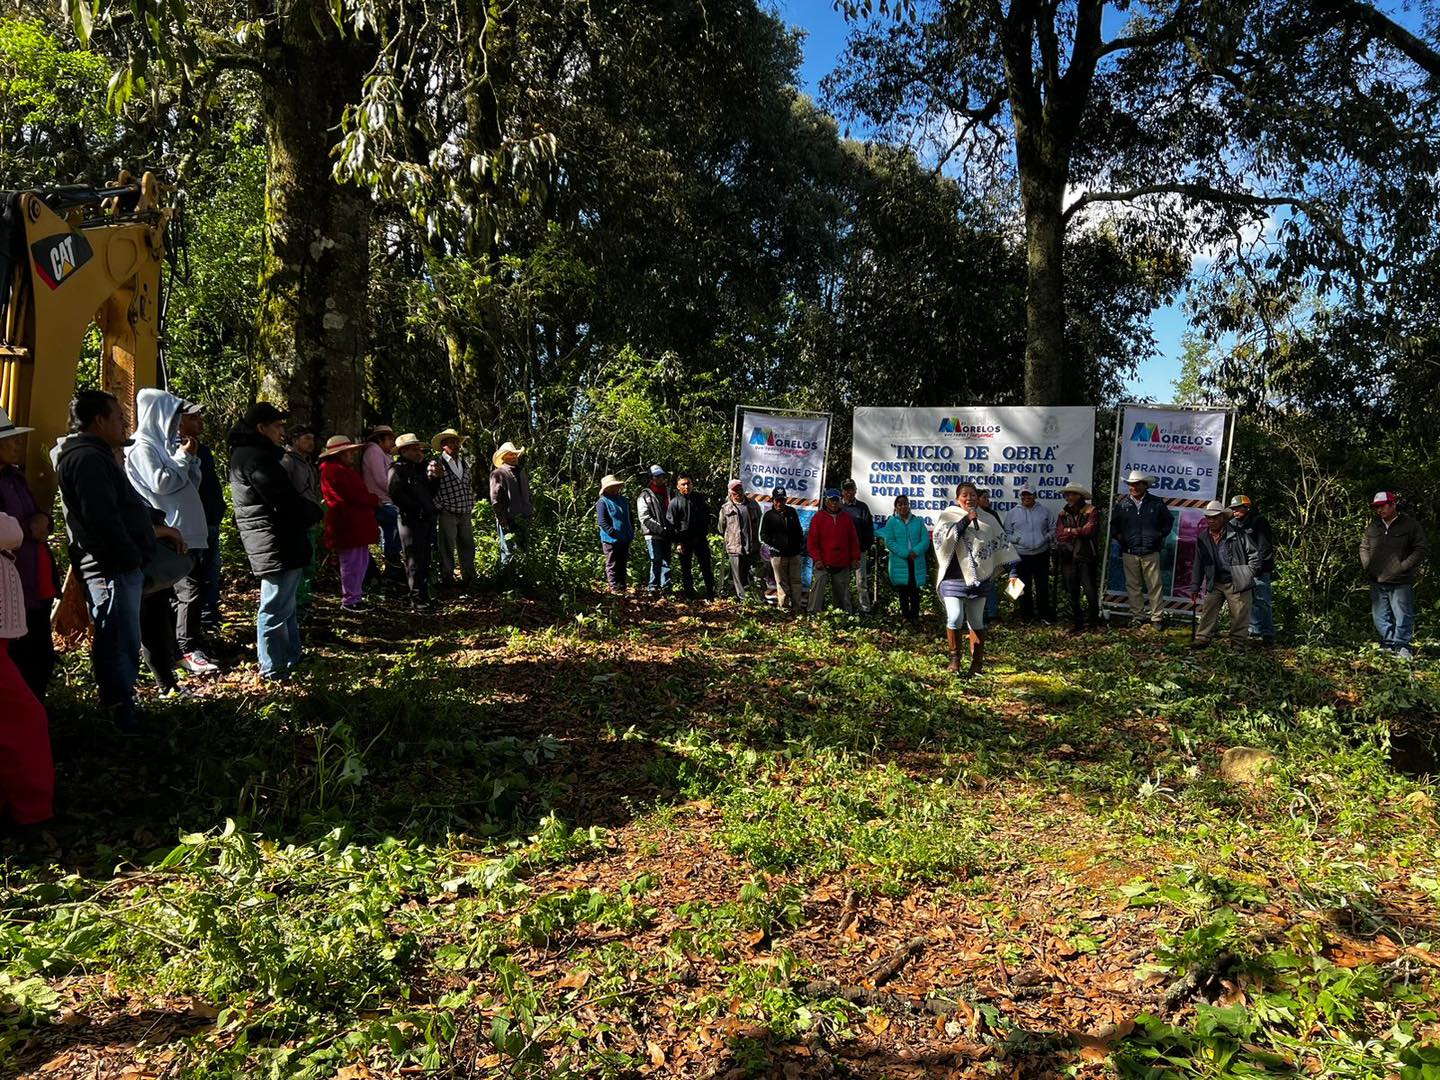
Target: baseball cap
x: 848, y: 485
x: 734, y: 483
x: 832, y: 493
x: 656, y: 470
x: 262, y: 412
x: 1240, y: 500
x: 779, y: 493
x: 191, y: 407
x: 1384, y: 497
x: 1027, y: 490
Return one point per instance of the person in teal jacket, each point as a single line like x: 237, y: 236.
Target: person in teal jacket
x: 907, y: 540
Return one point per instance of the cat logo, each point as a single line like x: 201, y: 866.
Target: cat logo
x: 57, y: 257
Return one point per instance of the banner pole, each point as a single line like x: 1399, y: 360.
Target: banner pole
x: 1110, y: 501
x: 735, y: 444
x: 1229, y: 450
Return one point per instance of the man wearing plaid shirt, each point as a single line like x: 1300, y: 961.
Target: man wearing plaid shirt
x: 455, y: 500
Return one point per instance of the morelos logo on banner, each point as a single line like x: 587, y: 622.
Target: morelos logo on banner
x: 925, y: 453
x: 784, y: 451
x: 1183, y: 452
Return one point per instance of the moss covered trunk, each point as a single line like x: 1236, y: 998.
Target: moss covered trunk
x: 317, y: 233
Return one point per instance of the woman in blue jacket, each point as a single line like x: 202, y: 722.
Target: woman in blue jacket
x: 617, y: 530
x: 907, y: 540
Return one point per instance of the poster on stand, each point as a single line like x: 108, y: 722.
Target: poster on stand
x: 784, y: 450
x: 1184, y: 452
x: 924, y: 453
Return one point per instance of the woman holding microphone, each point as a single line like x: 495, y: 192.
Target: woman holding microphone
x: 969, y: 546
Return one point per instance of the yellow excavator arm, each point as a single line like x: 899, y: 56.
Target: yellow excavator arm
x: 70, y: 257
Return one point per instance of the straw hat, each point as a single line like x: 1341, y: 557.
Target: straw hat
x: 1214, y: 508
x: 448, y: 433
x: 378, y: 430
x: 1137, y: 477
x: 498, y: 458
x: 408, y: 439
x: 338, y: 444
x: 1078, y: 489
x: 9, y: 429
x: 611, y: 480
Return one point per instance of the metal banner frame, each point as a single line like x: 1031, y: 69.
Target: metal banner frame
x: 1113, y: 602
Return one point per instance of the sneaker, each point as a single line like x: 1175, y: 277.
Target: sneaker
x: 1403, y: 653
x: 197, y: 663
x: 359, y: 605
x: 179, y: 690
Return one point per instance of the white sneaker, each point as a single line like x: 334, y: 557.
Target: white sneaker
x: 197, y: 663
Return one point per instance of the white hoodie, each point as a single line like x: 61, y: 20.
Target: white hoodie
x: 169, y: 480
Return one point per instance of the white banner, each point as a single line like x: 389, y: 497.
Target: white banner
x: 1183, y: 450
x: 784, y: 451
x: 925, y: 453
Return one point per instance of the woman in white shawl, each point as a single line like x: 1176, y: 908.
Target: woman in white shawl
x: 969, y: 546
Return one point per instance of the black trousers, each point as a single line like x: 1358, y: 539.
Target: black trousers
x: 34, y: 654
x: 418, y: 543
x: 189, y: 603
x: 617, y: 564
x: 157, y: 636
x: 699, y: 551
x: 909, y: 596
x: 1080, y: 576
x: 1035, y: 601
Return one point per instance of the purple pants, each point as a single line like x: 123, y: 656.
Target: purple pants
x: 353, y: 564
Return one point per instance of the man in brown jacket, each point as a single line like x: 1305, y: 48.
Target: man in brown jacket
x: 1391, y: 553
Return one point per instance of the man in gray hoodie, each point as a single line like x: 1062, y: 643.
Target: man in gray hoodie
x: 163, y: 465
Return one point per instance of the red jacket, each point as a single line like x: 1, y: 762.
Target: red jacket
x: 833, y: 541
x: 349, y: 507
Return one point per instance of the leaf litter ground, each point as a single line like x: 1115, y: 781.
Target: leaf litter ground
x: 694, y: 841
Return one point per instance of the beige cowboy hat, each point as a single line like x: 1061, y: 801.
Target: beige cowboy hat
x: 378, y: 430
x: 1135, y: 476
x: 498, y: 458
x: 1078, y: 489
x: 9, y: 428
x: 448, y: 433
x: 1214, y: 508
x: 338, y: 444
x: 611, y: 480
x: 408, y: 439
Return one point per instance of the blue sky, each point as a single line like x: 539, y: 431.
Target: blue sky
x: 825, y: 28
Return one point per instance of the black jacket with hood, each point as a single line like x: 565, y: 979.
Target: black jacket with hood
x: 273, y: 518
x: 110, y: 527
x: 412, y: 490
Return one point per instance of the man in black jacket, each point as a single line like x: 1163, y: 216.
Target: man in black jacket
x: 112, y: 535
x: 690, y: 524
x: 274, y: 520
x: 782, y: 533
x: 1225, y: 564
x: 1141, y: 524
x: 414, y: 482
x: 1248, y: 520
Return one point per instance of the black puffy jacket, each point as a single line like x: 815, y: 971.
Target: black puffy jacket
x: 110, y: 527
x: 274, y: 519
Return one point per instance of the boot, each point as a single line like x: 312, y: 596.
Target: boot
x: 953, y: 638
x: 977, y: 652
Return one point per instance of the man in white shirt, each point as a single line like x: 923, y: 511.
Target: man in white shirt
x: 1031, y: 528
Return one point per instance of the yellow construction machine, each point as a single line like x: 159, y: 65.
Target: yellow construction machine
x: 69, y: 257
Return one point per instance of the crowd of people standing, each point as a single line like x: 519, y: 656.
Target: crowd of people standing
x: 143, y: 514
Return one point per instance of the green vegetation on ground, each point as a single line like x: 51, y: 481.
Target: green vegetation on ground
x: 594, y: 839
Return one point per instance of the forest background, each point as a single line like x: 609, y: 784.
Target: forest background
x: 596, y: 229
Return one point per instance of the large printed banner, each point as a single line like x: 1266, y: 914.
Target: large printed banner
x: 784, y: 451
x: 925, y: 453
x: 1183, y: 451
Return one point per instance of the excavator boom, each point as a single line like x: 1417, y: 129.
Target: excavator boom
x: 70, y: 256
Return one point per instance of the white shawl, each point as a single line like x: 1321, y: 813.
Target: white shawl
x: 982, y: 548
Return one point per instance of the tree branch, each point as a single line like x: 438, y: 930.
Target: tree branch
x: 1203, y: 192
x: 1383, y: 27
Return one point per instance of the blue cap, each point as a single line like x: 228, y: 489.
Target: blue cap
x: 832, y: 493
x: 656, y: 470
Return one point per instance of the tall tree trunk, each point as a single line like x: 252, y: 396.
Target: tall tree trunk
x: 316, y: 261
x: 1045, y: 291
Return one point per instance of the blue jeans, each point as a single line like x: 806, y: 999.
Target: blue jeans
x: 114, y: 605
x: 210, y: 576
x: 1262, y: 617
x: 965, y: 611
x: 992, y: 603
x: 277, y: 628
x: 1393, y: 609
x: 659, y: 549
x: 387, y: 516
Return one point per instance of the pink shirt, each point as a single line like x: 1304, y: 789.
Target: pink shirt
x: 375, y: 466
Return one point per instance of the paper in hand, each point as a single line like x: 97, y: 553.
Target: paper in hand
x: 1015, y: 588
